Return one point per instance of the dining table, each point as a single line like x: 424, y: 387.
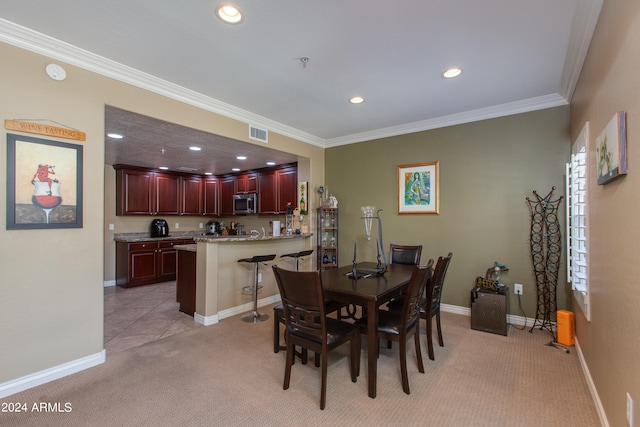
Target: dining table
x: 369, y: 293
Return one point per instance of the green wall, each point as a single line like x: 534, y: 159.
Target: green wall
x: 487, y: 170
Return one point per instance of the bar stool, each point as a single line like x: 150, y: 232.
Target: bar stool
x: 278, y: 311
x: 254, y: 316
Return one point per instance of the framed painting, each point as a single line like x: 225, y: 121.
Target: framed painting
x: 44, y: 184
x: 418, y: 188
x: 611, y: 149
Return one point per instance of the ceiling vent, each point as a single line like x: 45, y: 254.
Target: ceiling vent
x: 187, y: 169
x: 258, y: 134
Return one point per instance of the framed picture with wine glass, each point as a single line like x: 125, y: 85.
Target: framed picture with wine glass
x: 44, y: 183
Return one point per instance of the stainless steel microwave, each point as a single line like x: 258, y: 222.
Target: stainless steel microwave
x: 245, y: 204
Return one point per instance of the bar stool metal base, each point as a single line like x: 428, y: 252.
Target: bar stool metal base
x: 254, y: 317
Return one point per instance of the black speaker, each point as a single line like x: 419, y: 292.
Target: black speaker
x: 489, y: 310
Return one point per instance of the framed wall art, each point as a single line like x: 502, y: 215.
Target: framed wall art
x: 418, y: 188
x: 611, y: 149
x: 44, y: 184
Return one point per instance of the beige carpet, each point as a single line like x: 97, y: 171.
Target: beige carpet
x: 228, y: 375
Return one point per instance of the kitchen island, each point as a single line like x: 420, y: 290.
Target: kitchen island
x: 220, y: 278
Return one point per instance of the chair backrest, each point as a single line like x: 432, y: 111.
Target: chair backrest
x: 434, y: 289
x: 413, y: 297
x: 405, y: 254
x: 302, y: 301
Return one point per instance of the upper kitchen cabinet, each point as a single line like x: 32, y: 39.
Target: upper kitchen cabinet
x: 144, y: 192
x: 210, y: 200
x: 192, y: 200
x: 276, y: 188
x: 227, y: 190
x: 247, y: 183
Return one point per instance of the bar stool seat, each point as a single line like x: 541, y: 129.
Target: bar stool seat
x: 254, y: 316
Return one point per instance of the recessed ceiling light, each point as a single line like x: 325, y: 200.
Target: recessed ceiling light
x: 356, y: 100
x: 208, y: 173
x: 164, y: 168
x: 452, y: 72
x: 236, y: 169
x: 115, y: 135
x: 229, y: 14
x: 241, y: 157
x: 271, y: 163
x: 194, y: 148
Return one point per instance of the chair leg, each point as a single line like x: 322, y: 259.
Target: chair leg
x: 403, y: 367
x: 354, y: 358
x: 323, y: 391
x: 287, y: 370
x: 439, y: 329
x: 276, y: 331
x: 416, y: 338
x: 430, y: 338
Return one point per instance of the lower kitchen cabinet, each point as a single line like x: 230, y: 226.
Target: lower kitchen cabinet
x: 146, y: 262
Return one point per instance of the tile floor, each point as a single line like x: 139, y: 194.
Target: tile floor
x: 135, y: 316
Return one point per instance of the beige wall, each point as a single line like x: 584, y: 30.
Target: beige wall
x: 487, y: 169
x: 610, y: 82
x: 51, y: 281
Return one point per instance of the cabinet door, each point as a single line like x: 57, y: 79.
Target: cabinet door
x: 191, y: 196
x: 134, y: 190
x: 142, y: 263
x: 247, y: 183
x: 167, y: 261
x: 287, y: 188
x: 210, y: 197
x: 227, y: 190
x: 268, y: 186
x: 167, y: 194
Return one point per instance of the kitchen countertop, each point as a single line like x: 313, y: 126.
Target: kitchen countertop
x: 188, y: 248
x: 200, y: 237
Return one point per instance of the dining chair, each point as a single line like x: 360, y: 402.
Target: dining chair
x: 405, y: 254
x: 431, y: 303
x: 399, y: 326
x: 307, y: 325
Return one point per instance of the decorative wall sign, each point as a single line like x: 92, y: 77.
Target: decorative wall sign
x: 42, y: 129
x: 303, y: 198
x: 611, y: 149
x: 44, y: 183
x: 418, y: 188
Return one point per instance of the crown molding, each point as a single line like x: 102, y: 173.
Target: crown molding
x: 42, y: 44
x: 517, y: 107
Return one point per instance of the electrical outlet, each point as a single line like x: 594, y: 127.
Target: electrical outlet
x: 259, y: 277
x: 629, y: 410
x: 517, y: 288
x: 177, y: 225
x: 201, y: 225
x: 111, y: 227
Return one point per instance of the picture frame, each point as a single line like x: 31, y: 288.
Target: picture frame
x: 611, y: 149
x: 44, y: 183
x: 419, y: 188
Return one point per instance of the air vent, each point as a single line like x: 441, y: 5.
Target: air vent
x: 258, y: 134
x: 186, y: 169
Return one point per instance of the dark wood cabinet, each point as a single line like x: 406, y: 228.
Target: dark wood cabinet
x: 186, y: 281
x: 192, y: 195
x: 247, y: 183
x: 143, y: 192
x: 227, y: 190
x: 210, y: 202
x: 276, y: 188
x: 146, y: 262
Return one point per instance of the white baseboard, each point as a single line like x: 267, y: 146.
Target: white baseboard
x: 244, y: 308
x: 466, y: 311
x: 108, y: 283
x: 592, y: 387
x: 42, y: 377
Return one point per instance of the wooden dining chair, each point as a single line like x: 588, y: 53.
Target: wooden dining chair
x: 399, y: 326
x: 431, y: 303
x: 405, y: 254
x: 307, y: 325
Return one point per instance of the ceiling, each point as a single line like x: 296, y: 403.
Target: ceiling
x: 516, y: 56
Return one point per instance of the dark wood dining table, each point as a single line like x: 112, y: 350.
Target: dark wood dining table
x: 369, y: 293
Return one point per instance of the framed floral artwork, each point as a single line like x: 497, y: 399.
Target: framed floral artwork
x: 418, y: 188
x: 611, y: 149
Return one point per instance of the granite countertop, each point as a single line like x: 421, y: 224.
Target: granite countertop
x: 190, y: 248
x: 200, y: 237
